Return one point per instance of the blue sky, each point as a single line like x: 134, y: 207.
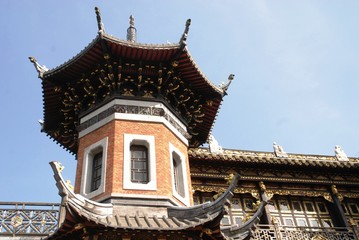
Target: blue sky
x: 296, y: 65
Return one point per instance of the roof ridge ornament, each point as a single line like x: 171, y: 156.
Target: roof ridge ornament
x: 185, y: 33
x: 340, y: 154
x: 279, y: 151
x: 40, y: 69
x: 214, y: 147
x: 101, y: 28
x: 224, y: 86
x: 131, y: 31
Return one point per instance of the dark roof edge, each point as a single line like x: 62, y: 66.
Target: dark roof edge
x: 205, y: 208
x: 73, y: 59
x: 237, y: 230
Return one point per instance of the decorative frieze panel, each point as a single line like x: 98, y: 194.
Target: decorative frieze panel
x: 131, y: 109
x: 304, y: 193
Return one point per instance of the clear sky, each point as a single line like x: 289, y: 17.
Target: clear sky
x: 296, y: 65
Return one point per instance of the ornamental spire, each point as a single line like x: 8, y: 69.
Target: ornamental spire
x: 101, y: 28
x: 185, y: 33
x: 131, y: 31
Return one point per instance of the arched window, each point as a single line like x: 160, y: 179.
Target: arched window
x: 96, y: 171
x: 178, y: 174
x: 139, y: 164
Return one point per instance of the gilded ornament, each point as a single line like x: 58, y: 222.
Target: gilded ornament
x: 256, y: 205
x: 246, y: 217
x: 275, y: 220
x: 352, y: 222
x: 69, y: 185
x: 16, y: 221
x: 59, y: 166
x: 262, y: 186
x: 207, y: 231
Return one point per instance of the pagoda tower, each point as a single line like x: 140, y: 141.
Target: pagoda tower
x: 129, y: 112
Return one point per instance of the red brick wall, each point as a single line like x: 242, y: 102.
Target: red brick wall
x: 115, y: 131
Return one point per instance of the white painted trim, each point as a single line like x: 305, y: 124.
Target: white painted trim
x: 183, y: 164
x: 89, y: 152
x: 139, y: 196
x: 134, y: 117
x: 149, y: 142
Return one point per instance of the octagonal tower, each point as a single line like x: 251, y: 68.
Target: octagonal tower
x: 129, y: 111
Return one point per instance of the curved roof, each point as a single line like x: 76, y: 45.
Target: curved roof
x: 79, y: 211
x: 195, y: 99
x: 91, y: 55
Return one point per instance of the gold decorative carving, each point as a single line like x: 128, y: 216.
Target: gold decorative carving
x: 69, y: 185
x: 256, y: 205
x: 209, y: 189
x: 350, y: 195
x: 307, y: 193
x: 246, y: 217
x: 336, y: 193
x: 207, y: 231
x: 229, y: 178
x: 16, y: 221
x: 318, y: 237
x: 275, y: 220
x: 262, y: 186
x: 253, y: 192
x: 352, y: 222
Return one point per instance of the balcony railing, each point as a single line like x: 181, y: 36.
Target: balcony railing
x: 36, y: 220
x: 275, y: 232
x: 28, y: 219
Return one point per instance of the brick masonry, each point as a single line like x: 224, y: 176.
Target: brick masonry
x: 115, y: 131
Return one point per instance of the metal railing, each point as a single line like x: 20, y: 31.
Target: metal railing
x: 28, y: 219
x: 275, y: 232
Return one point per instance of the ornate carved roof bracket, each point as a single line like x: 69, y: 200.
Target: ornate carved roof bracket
x: 107, y: 77
x: 100, y: 25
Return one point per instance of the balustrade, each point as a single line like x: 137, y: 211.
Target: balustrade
x: 28, y: 219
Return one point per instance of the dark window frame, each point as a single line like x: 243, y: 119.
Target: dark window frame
x: 96, y: 171
x: 139, y: 164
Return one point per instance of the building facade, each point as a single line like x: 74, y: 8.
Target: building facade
x: 136, y: 115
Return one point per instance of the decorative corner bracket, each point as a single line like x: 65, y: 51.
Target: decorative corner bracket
x: 40, y: 69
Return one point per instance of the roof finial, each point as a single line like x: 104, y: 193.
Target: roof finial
x: 101, y: 28
x: 224, y: 86
x: 40, y: 69
x: 131, y: 31
x: 185, y: 33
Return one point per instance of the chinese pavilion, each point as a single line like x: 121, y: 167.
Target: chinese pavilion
x: 135, y: 116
